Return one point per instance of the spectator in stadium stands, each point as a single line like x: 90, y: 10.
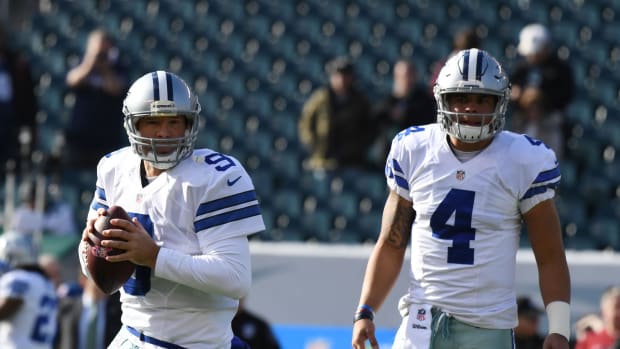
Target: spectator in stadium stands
x: 610, y: 314
x: 99, y: 82
x: 526, y: 332
x: 542, y: 88
x: 56, y: 217
x: 463, y: 39
x: 587, y: 325
x: 409, y: 104
x: 18, y: 105
x: 50, y: 264
x: 335, y: 123
x: 88, y: 319
x: 461, y: 191
x: 253, y: 329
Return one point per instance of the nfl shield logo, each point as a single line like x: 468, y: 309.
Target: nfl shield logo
x: 460, y: 175
x: 421, y: 314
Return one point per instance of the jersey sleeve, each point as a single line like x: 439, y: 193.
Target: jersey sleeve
x: 229, y: 207
x: 400, y: 160
x: 105, y: 168
x: 13, y: 286
x: 539, y: 169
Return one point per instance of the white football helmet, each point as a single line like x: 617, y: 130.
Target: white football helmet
x: 16, y: 249
x: 161, y: 93
x: 472, y: 71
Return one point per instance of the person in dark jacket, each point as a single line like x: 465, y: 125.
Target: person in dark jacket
x: 542, y: 88
x: 335, y: 123
x: 409, y: 104
x: 253, y: 329
x: 18, y: 105
x: 526, y: 332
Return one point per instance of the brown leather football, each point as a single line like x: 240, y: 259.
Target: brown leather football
x: 108, y: 276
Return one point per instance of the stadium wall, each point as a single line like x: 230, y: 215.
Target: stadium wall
x: 308, y: 292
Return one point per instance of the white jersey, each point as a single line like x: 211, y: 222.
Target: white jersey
x: 35, y: 323
x: 208, y: 197
x: 468, y: 218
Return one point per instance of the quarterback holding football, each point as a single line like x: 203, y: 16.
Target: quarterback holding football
x: 191, y: 212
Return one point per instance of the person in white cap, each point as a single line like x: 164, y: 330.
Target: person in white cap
x: 542, y: 87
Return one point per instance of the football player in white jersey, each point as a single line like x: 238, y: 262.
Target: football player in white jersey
x: 192, y: 211
x: 28, y: 302
x: 459, y: 190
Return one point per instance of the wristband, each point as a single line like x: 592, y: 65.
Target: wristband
x: 558, y: 313
x: 366, y: 308
x: 364, y: 312
x: 363, y: 315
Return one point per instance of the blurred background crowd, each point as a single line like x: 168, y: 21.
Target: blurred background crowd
x: 315, y: 143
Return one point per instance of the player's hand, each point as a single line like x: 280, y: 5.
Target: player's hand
x: 555, y: 341
x: 364, y: 330
x: 90, y: 224
x: 139, y: 247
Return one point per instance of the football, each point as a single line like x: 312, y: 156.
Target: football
x: 108, y: 276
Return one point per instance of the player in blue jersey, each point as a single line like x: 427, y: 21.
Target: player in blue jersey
x: 192, y: 211
x: 28, y: 302
x: 459, y: 192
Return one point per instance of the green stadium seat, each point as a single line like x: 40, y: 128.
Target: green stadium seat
x: 565, y: 32
x: 594, y: 187
x: 590, y: 14
x: 344, y: 236
x: 372, y: 186
x: 369, y: 225
x: 286, y: 166
x: 263, y: 185
x: 570, y: 175
x: 268, y: 218
x: 410, y: 28
x: 580, y: 242
x: 317, y: 225
x: 345, y: 204
x: 289, y: 234
x: 572, y: 210
x: 288, y: 202
x: 585, y: 150
x: 285, y: 125
x: 606, y: 232
x: 259, y: 143
x: 581, y: 111
x: 316, y: 185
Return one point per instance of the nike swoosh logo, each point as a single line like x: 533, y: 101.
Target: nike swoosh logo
x: 231, y: 183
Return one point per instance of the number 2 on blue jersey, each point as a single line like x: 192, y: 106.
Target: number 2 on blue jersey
x: 48, y: 306
x: 461, y: 203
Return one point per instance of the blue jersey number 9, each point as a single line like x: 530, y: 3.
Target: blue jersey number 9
x: 140, y: 282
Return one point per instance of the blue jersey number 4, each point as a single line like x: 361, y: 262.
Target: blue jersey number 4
x: 460, y: 203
